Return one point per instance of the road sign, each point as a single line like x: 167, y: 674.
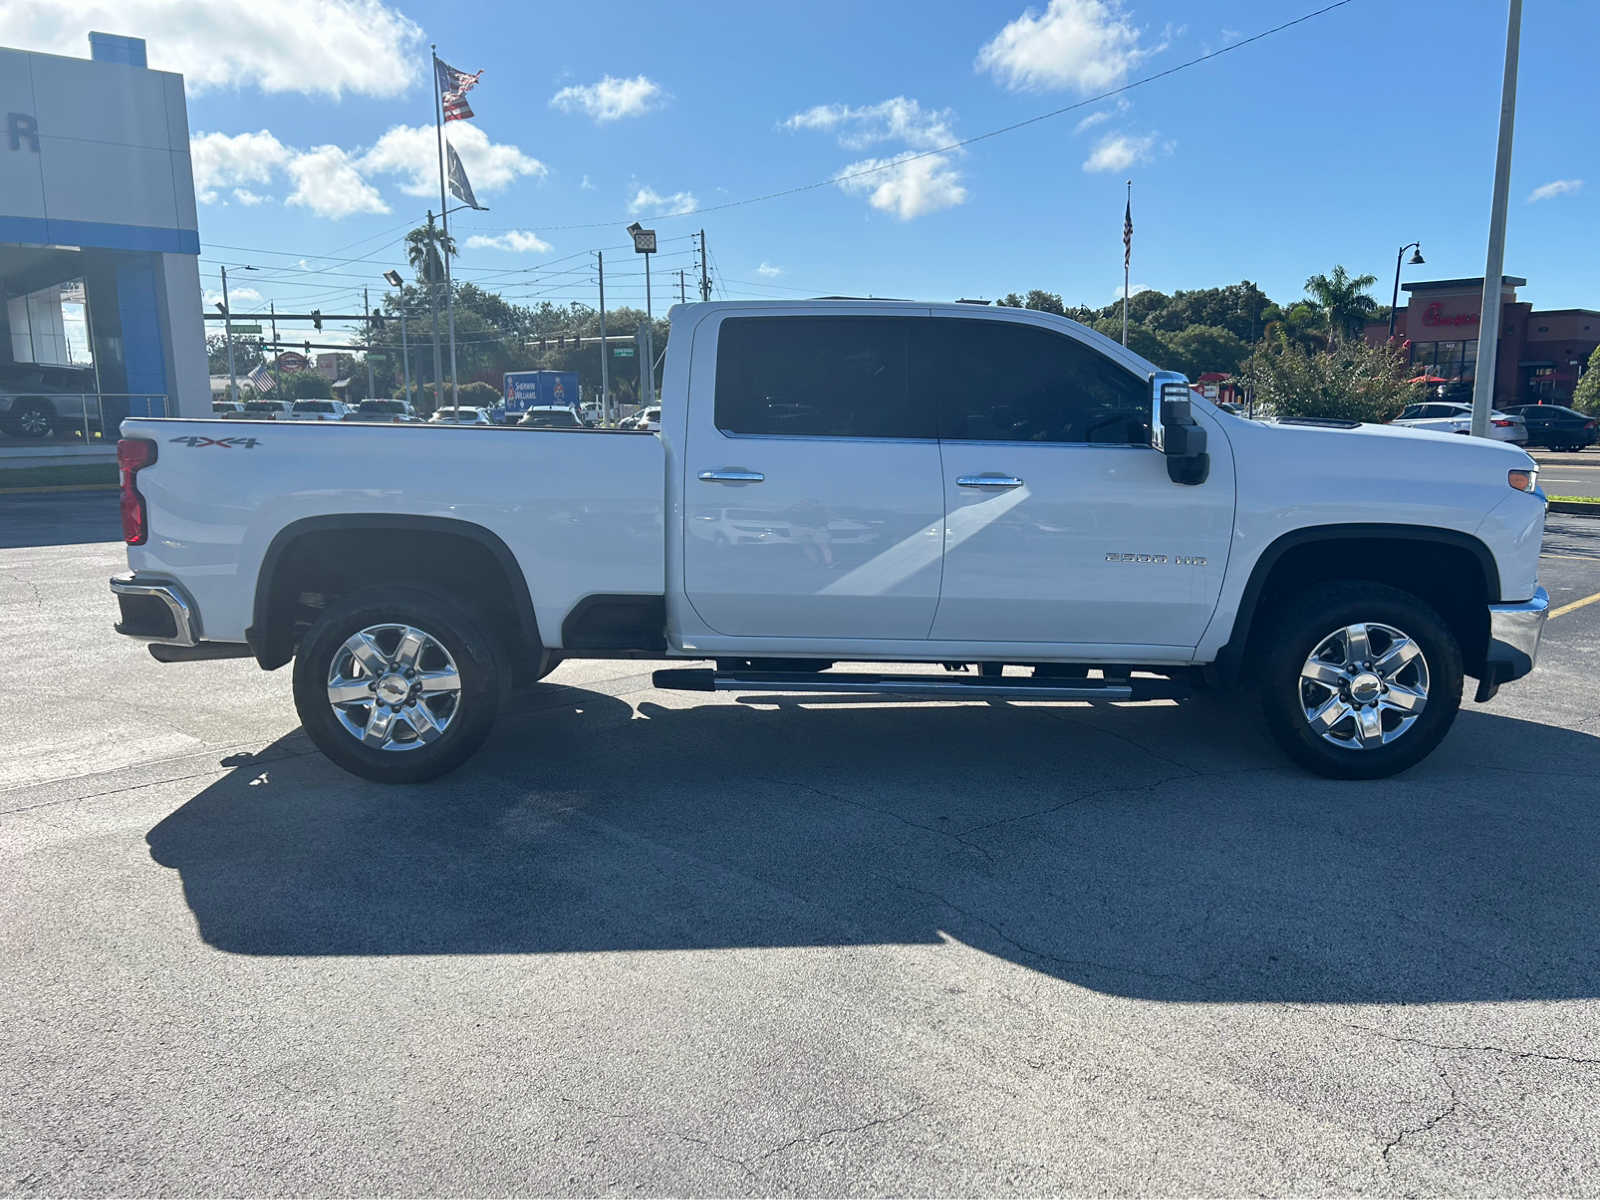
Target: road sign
x: 622, y: 352
x: 247, y: 329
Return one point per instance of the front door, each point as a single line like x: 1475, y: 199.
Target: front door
x: 813, y: 497
x: 1062, y: 525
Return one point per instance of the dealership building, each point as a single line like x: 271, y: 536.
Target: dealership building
x: 100, y: 300
x: 1540, y: 356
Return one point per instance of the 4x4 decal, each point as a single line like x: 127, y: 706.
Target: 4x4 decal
x: 247, y: 443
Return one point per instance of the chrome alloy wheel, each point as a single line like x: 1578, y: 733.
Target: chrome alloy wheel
x: 1364, y: 686
x: 394, y: 687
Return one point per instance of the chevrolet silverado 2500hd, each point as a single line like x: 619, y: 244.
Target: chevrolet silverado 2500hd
x: 857, y: 482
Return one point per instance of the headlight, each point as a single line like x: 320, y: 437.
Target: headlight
x: 1524, y: 480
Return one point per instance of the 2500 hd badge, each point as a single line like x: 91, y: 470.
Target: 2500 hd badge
x: 1177, y: 560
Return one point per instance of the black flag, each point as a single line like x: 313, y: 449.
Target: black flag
x: 458, y: 178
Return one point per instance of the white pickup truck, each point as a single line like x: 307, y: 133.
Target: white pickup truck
x: 998, y: 491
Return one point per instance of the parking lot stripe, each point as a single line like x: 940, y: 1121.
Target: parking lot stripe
x: 1574, y: 557
x: 1566, y: 608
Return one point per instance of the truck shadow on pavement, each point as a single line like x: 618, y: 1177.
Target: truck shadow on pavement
x: 1135, y: 851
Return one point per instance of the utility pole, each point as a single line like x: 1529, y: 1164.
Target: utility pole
x: 227, y: 329
x: 682, y: 296
x: 405, y: 351
x: 277, y: 371
x: 1489, y: 310
x: 433, y: 305
x: 649, y: 338
x: 605, y: 351
x: 366, y: 307
x: 705, y: 279
x: 444, y: 220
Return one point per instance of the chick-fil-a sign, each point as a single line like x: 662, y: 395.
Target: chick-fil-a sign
x: 1434, y: 314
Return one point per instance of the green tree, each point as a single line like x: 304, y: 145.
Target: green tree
x: 247, y: 353
x: 306, y: 385
x: 1344, y: 301
x: 1142, y: 341
x: 424, y: 247
x: 1350, y: 381
x: 1586, y: 396
x: 1202, y: 348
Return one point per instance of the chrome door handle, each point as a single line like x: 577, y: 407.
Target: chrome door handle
x: 988, y: 481
x: 731, y: 476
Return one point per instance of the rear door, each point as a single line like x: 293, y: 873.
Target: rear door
x: 1063, y: 526
x: 813, y: 496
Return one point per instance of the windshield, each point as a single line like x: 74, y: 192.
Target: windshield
x: 262, y: 406
x: 382, y: 406
x: 313, y: 406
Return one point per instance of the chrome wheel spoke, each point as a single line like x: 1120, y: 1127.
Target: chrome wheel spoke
x: 1396, y: 658
x: 422, y: 721
x: 1357, y: 645
x: 1369, y: 726
x: 1317, y: 671
x: 412, y: 643
x: 1330, y: 714
x: 1404, y: 699
x: 439, y: 683
x: 380, y: 727
x: 349, y: 691
x: 366, y: 652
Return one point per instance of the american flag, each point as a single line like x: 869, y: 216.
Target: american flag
x: 260, y: 379
x: 1127, y: 233
x: 453, y: 88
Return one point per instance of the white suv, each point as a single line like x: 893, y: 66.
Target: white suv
x: 1445, y: 417
x: 319, y: 410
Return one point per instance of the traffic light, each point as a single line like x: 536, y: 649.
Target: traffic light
x: 316, y: 319
x: 308, y: 351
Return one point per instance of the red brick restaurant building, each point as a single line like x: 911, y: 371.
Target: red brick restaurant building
x: 1540, y: 357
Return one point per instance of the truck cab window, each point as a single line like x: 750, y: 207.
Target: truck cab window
x: 1004, y: 381
x: 818, y: 377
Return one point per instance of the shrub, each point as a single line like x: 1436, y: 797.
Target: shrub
x: 1351, y: 382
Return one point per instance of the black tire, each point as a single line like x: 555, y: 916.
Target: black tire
x: 1302, y: 624
x: 33, y: 418
x: 479, y: 660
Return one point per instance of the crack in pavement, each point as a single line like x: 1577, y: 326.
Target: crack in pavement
x: 1444, y: 1114
x: 844, y: 1131
x: 650, y: 1127
x: 1401, y: 1039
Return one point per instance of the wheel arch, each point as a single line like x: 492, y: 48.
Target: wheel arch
x: 1454, y: 571
x: 272, y: 633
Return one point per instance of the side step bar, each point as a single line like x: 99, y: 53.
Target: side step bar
x: 981, y: 687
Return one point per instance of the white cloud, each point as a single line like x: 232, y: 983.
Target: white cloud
x: 315, y: 47
x: 303, y: 264
x: 897, y: 120
x: 1556, y: 187
x: 412, y: 151
x: 248, y: 198
x: 770, y: 271
x: 236, y: 296
x: 1102, y: 116
x: 516, y: 240
x: 906, y: 188
x: 1119, y: 151
x: 1133, y: 290
x: 327, y: 181
x: 611, y: 99
x: 648, y: 200
x: 585, y: 185
x: 222, y: 160
x: 1086, y: 45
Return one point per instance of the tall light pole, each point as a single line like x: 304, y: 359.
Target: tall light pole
x: 605, y: 350
x: 392, y: 278
x: 1416, y: 261
x: 227, y: 332
x: 644, y: 242
x: 1495, y: 259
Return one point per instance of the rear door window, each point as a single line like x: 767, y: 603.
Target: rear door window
x: 840, y: 377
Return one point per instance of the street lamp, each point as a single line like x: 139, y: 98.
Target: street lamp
x: 392, y: 278
x: 1416, y: 261
x: 644, y: 242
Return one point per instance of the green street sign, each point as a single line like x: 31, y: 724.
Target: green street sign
x: 247, y: 329
x: 622, y: 352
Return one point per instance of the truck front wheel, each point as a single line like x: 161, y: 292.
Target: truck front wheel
x: 1359, y: 680
x: 398, y: 685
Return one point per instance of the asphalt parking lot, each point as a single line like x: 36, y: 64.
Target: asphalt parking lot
x: 1568, y: 474
x: 657, y: 943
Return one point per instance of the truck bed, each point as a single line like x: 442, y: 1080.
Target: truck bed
x: 582, y: 512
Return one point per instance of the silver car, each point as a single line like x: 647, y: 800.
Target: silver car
x: 1445, y: 417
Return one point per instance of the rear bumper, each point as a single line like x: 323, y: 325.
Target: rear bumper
x: 154, y: 610
x: 1514, y: 632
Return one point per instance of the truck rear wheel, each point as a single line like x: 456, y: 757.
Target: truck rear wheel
x: 1359, y: 680
x: 398, y: 685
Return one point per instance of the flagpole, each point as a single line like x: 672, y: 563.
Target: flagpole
x: 1127, y: 253
x: 444, y: 221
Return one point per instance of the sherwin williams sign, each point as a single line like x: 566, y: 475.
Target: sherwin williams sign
x: 534, y: 389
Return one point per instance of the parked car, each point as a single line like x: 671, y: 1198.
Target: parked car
x: 935, y: 484
x: 226, y: 408
x: 645, y: 418
x: 393, y: 412
x: 1557, y: 427
x: 268, y: 410
x: 460, y: 416
x: 552, y: 417
x: 38, y: 399
x: 1444, y: 417
x: 319, y: 410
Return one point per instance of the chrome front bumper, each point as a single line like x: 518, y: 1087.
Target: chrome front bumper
x: 1514, y: 632
x: 155, y: 611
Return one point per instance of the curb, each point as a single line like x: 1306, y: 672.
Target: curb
x: 61, y: 487
x: 1567, y: 506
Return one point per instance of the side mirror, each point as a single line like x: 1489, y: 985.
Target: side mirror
x: 1175, y: 432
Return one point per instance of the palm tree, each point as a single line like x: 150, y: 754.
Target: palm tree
x: 1344, y: 300
x: 424, y: 245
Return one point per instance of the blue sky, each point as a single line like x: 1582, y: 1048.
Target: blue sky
x: 1333, y: 142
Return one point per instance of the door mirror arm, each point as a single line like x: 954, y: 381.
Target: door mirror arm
x: 1175, y: 433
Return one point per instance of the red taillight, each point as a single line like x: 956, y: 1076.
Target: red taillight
x: 1501, y: 424
x: 134, y: 454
